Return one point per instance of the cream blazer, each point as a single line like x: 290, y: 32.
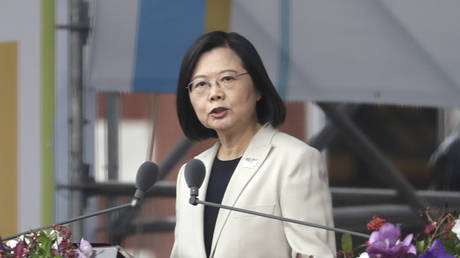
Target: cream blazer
x: 278, y: 174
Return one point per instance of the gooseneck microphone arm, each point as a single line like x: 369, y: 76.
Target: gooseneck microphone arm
x: 147, y: 175
x: 116, y: 208
x: 194, y: 176
x: 197, y: 201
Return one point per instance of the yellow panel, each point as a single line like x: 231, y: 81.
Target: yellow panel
x: 8, y: 137
x: 47, y: 114
x: 218, y: 15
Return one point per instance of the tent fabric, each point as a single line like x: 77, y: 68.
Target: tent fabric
x: 384, y: 51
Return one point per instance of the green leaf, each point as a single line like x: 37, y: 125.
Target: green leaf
x: 46, y: 241
x: 347, y: 243
x: 420, y: 245
x: 361, y: 246
x: 457, y: 250
x: 449, y: 245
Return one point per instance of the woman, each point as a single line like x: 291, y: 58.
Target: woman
x: 224, y: 92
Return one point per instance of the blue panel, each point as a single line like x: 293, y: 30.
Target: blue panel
x: 284, y: 51
x: 166, y: 30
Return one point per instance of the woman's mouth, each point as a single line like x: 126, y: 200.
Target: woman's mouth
x: 218, y: 112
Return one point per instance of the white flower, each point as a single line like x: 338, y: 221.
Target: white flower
x: 456, y: 228
x: 364, y: 255
x: 12, y: 243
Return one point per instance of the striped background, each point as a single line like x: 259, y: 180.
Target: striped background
x: 27, y: 114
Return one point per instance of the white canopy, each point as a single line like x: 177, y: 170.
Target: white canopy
x: 379, y: 51
x: 374, y: 51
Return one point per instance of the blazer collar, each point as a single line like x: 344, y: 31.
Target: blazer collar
x: 248, y: 166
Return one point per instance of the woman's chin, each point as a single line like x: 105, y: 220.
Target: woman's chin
x: 220, y: 126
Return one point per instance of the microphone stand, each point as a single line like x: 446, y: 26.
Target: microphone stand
x: 132, y: 204
x: 194, y: 201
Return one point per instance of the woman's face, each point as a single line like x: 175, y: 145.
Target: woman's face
x: 230, y: 108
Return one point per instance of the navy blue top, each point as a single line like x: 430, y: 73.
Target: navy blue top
x: 222, y: 171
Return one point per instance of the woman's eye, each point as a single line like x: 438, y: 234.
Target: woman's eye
x: 199, y: 84
x: 227, y: 78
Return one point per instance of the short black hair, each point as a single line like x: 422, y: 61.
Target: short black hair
x: 270, y: 108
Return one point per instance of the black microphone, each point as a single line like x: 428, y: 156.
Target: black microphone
x: 147, y: 175
x: 194, y: 176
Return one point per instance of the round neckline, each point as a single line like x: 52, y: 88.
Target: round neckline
x: 230, y: 160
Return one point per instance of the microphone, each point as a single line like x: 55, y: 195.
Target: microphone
x: 147, y: 175
x: 194, y: 176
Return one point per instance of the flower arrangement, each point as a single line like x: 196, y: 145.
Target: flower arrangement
x: 53, y: 242
x: 440, y: 238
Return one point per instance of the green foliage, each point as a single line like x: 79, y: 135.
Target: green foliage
x: 347, y: 243
x: 420, y: 246
x: 53, y: 242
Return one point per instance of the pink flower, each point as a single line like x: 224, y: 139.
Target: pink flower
x: 19, y: 249
x: 430, y: 228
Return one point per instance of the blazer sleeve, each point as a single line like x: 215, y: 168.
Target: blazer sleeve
x: 305, y: 196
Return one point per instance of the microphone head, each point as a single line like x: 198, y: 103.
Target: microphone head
x: 147, y: 175
x: 194, y: 173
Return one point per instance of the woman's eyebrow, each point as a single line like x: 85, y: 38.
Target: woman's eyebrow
x: 204, y: 76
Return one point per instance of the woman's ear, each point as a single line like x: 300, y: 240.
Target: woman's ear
x: 259, y: 97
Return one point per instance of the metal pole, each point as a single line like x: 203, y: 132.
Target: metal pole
x: 77, y: 176
x: 381, y: 167
x: 182, y: 148
x: 112, y: 101
x: 322, y: 139
x: 112, y: 104
x: 124, y: 220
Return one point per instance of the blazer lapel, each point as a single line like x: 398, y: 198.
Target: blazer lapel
x: 208, y: 159
x: 248, y: 166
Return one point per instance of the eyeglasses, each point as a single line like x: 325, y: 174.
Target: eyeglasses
x: 201, y: 86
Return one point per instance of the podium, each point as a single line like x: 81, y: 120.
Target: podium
x: 114, y: 251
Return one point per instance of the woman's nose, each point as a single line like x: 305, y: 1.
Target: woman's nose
x: 215, y: 91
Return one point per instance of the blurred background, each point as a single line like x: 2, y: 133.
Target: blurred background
x: 88, y: 94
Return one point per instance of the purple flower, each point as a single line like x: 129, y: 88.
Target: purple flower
x: 436, y: 251
x: 85, y: 249
x: 385, y: 243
